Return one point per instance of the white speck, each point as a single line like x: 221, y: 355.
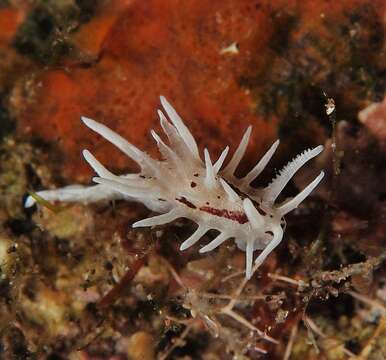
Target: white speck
x: 218, y: 18
x: 232, y: 49
x: 330, y: 106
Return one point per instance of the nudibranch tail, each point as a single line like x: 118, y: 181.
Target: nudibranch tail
x: 184, y: 185
x: 125, y: 189
x: 75, y: 193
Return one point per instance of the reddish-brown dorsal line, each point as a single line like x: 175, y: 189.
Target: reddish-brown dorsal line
x: 238, y: 216
x: 186, y: 202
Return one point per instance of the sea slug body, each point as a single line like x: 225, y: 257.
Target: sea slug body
x: 184, y: 185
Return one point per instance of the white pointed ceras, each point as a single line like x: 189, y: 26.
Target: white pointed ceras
x: 183, y: 185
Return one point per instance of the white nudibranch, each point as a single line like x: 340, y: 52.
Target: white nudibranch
x: 185, y: 186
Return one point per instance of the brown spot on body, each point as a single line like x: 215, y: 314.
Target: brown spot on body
x: 238, y: 216
x: 193, y: 184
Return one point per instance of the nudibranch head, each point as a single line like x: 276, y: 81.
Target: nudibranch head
x: 204, y: 191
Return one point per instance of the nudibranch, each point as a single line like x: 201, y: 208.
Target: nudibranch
x: 183, y: 185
